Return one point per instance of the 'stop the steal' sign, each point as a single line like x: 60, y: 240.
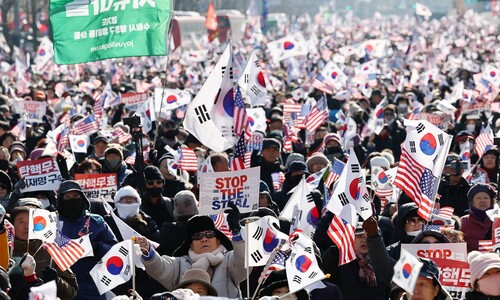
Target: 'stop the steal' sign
x: 219, y: 188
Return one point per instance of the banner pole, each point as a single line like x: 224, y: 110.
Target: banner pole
x: 247, y: 266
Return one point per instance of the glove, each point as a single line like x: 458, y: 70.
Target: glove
x: 370, y: 226
x: 153, y: 155
x: 28, y: 264
x: 233, y: 217
x: 49, y: 274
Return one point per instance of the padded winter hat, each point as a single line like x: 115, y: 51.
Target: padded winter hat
x: 317, y: 158
x: 198, y: 224
x: 185, y: 204
x: 379, y: 161
x: 298, y: 166
x: 481, y: 187
x: 152, y: 173
x: 196, y: 275
x: 293, y: 157
x: 480, y: 264
x: 114, y: 148
x: 332, y: 137
x: 127, y: 191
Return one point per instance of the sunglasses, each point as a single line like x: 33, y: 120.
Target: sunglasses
x: 414, y: 221
x: 157, y: 181
x: 199, y: 235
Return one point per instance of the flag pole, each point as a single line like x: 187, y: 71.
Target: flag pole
x: 247, y: 265
x: 134, y: 248
x: 264, y: 271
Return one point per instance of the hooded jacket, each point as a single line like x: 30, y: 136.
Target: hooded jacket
x: 405, y: 211
x: 101, y: 238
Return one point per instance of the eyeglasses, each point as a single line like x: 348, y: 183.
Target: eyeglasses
x: 157, y: 181
x: 199, y: 235
x: 415, y: 221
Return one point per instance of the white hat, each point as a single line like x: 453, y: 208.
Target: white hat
x: 127, y: 191
x: 379, y: 161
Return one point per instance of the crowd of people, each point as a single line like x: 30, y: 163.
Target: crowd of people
x: 184, y: 252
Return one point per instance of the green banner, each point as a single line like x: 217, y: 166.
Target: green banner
x: 90, y: 30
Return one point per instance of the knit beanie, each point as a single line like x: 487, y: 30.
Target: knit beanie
x: 332, y: 137
x: 481, y: 187
x: 317, y: 158
x: 152, y: 173
x: 127, y: 191
x: 480, y: 264
x: 185, y: 204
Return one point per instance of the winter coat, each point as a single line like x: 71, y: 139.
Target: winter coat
x: 474, y: 295
x: 101, y: 238
x: 454, y: 196
x: 172, y: 187
x: 226, y: 276
x: 266, y: 170
x: 475, y: 230
x: 381, y: 261
x: 66, y: 286
x: 346, y: 277
x: 172, y: 235
x: 160, y: 212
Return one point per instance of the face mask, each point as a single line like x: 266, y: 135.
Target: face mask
x: 333, y: 150
x: 45, y: 202
x: 113, y: 163
x: 389, y: 121
x: 294, y: 180
x: 154, y: 192
x: 470, y: 128
x: 413, y: 233
x: 127, y: 210
x: 290, y: 297
x: 489, y: 285
x: 462, y: 146
x: 71, y: 209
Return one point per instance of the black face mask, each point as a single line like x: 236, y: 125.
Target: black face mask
x: 171, y: 133
x: 71, y: 209
x: 154, y: 192
x: 294, y: 180
x: 333, y: 150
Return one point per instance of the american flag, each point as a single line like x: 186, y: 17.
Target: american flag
x: 334, y: 174
x: 248, y: 159
x: 87, y: 125
x: 238, y: 160
x: 64, y: 251
x: 187, y: 160
x: 290, y: 137
x: 444, y: 212
x: 62, y: 139
x: 11, y: 233
x: 484, y: 141
x: 342, y: 234
x: 276, y: 264
x: 19, y: 130
x: 485, y: 246
x: 417, y: 182
x: 320, y: 84
x: 122, y: 136
x: 317, y: 115
x: 221, y: 224
x: 131, y: 158
x: 289, y: 109
x: 240, y: 116
x: 98, y: 104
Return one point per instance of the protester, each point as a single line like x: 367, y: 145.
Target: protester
x: 157, y: 206
x: 476, y: 225
x: 45, y: 269
x: 484, y: 275
x: 206, y: 248
x: 76, y: 221
x: 428, y: 286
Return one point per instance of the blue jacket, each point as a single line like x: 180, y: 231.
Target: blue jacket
x: 101, y: 238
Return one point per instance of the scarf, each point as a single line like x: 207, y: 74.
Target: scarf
x: 480, y: 214
x: 366, y: 273
x: 205, y: 260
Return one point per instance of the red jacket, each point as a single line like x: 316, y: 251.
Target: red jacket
x: 475, y: 230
